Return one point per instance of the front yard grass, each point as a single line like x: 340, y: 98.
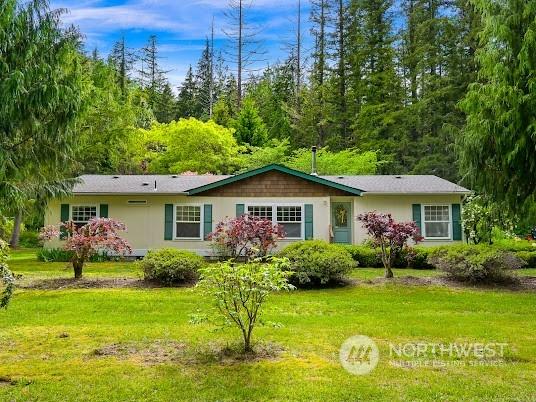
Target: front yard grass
x: 49, y: 339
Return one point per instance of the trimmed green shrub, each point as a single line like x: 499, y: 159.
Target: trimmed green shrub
x: 476, y: 264
x: 514, y: 245
x: 171, y: 266
x: 30, y: 239
x: 417, y: 257
x: 61, y: 255
x: 316, y: 262
x: 365, y: 256
x: 529, y: 257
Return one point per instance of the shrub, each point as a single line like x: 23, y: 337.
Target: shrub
x: 30, y: 239
x: 476, y: 264
x: 240, y: 290
x: 365, y: 256
x: 417, y: 257
x: 514, y: 244
x: 7, y: 281
x: 317, y: 262
x: 62, y: 255
x: 528, y: 256
x: 171, y: 266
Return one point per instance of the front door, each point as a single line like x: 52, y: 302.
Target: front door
x: 341, y: 220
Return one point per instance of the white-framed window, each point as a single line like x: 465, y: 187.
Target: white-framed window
x: 81, y: 214
x: 188, y: 221
x: 437, y: 222
x: 290, y: 216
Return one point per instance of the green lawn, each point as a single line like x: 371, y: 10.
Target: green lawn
x: 312, y: 324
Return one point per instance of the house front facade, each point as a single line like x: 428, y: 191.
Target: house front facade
x: 181, y: 210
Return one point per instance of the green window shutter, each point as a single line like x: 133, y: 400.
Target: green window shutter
x: 417, y: 216
x: 308, y: 221
x: 103, y: 210
x: 64, y: 217
x: 456, y: 222
x: 207, y: 220
x: 168, y: 222
x: 240, y: 208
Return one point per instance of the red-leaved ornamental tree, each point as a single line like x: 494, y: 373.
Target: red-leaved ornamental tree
x: 389, y: 235
x: 246, y: 236
x: 98, y: 235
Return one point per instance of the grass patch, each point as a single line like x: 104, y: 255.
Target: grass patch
x: 137, y: 344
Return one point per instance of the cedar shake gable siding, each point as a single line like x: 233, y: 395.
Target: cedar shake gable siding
x: 274, y: 184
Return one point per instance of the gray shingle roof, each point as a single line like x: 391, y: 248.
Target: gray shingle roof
x: 169, y: 184
x: 134, y: 184
x: 399, y: 184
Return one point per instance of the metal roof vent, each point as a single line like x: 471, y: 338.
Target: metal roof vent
x: 398, y: 177
x: 340, y: 177
x: 115, y: 177
x: 174, y: 176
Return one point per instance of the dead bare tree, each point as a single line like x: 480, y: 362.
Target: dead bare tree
x: 246, y: 49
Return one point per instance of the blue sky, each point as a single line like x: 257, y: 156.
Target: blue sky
x: 181, y: 26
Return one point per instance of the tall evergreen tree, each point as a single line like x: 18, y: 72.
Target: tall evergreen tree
x: 498, y: 145
x: 375, y: 85
x: 187, y: 102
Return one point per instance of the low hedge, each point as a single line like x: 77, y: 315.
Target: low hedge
x: 412, y: 257
x: 365, y: 256
x: 529, y: 257
x: 61, y: 255
x: 476, y: 264
x: 171, y: 266
x: 316, y: 262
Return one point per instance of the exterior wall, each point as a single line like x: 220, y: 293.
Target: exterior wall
x: 145, y: 223
x: 400, y: 207
x: 273, y: 184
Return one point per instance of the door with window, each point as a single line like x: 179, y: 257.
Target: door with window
x: 341, y: 222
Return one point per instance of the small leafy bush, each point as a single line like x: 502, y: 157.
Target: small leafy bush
x: 528, y: 256
x: 171, y: 266
x: 240, y: 291
x: 514, y: 244
x: 476, y: 264
x: 316, y: 262
x: 417, y: 257
x: 62, y: 255
x: 30, y: 239
x: 365, y: 256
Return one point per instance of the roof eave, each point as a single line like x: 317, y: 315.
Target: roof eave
x: 367, y: 193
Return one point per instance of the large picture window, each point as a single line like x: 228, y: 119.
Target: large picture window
x: 188, y: 222
x: 81, y: 214
x: 437, y: 222
x: 288, y: 216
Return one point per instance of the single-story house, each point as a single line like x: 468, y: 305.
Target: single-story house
x: 181, y: 210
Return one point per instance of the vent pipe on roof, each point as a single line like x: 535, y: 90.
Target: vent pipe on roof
x: 313, y: 161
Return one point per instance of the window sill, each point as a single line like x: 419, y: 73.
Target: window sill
x: 188, y: 239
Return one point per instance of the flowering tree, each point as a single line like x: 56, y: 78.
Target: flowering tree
x: 389, y: 235
x: 98, y: 235
x: 6, y: 277
x: 246, y: 236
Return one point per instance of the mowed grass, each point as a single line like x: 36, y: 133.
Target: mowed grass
x: 44, y: 364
